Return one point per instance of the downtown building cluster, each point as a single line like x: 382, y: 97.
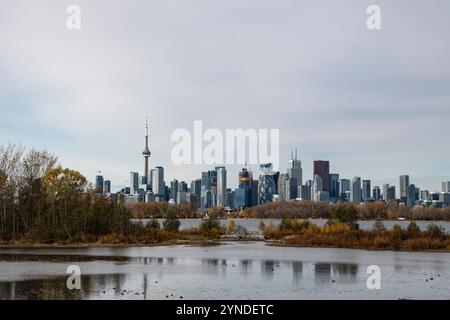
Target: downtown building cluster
x: 210, y: 190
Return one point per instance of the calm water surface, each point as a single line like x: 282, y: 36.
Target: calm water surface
x: 232, y: 270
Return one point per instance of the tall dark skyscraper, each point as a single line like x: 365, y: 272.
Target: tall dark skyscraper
x: 99, y: 184
x: 322, y: 169
x: 146, y: 153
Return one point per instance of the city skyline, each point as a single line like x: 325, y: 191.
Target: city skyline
x: 211, y: 187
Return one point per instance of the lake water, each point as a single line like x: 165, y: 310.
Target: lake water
x: 253, y: 224
x: 231, y: 270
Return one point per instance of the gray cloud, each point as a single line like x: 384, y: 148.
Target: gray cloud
x: 374, y: 103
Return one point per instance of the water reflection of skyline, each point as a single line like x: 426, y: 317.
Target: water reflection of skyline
x: 160, y: 277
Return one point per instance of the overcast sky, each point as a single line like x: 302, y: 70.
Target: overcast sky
x: 374, y: 103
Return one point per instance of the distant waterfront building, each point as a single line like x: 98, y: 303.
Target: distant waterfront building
x: 366, y: 188
x: 344, y: 189
x: 322, y: 169
x: 317, y: 187
x: 182, y: 186
x: 323, y: 196
x: 355, y: 190
x: 243, y: 195
x: 444, y: 197
x: 221, y: 187
x: 291, y: 189
x: 149, y: 197
x: 196, y: 190
x: 305, y: 192
x: 334, y: 186
x: 282, y: 184
x: 411, y: 196
x: 99, y: 184
x: 295, y: 170
x: 376, y: 193
x: 446, y: 186
x: 107, y: 187
x: 424, y: 195
x: 158, y: 185
x: 205, y: 187
x: 255, y: 192
x: 404, y: 183
x: 388, y: 192
x: 181, y: 197
x: 134, y: 182
x: 267, y: 185
x: 134, y: 198
x: 174, y: 190
x: 230, y: 199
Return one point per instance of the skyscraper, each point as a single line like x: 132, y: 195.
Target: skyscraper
x: 334, y: 186
x: 322, y: 169
x: 221, y: 187
x: 376, y: 193
x: 99, y: 184
x: 404, y: 183
x: 295, y: 170
x: 411, y: 196
x: 291, y: 189
x: 282, y: 184
x: 267, y: 185
x: 317, y: 187
x: 146, y: 153
x: 174, y: 190
x: 366, y: 190
x: 134, y: 182
x: 355, y: 190
x: 245, y: 178
x: 107, y: 187
x: 158, y: 186
x: 196, y: 190
x: 388, y: 192
x: 344, y: 188
x: 243, y: 194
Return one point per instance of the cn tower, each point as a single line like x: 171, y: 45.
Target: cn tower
x: 146, y: 153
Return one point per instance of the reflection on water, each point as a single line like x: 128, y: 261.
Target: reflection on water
x: 322, y: 272
x: 224, y: 272
x: 345, y: 270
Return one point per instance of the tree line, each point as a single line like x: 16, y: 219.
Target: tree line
x: 40, y: 200
x: 377, y: 210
